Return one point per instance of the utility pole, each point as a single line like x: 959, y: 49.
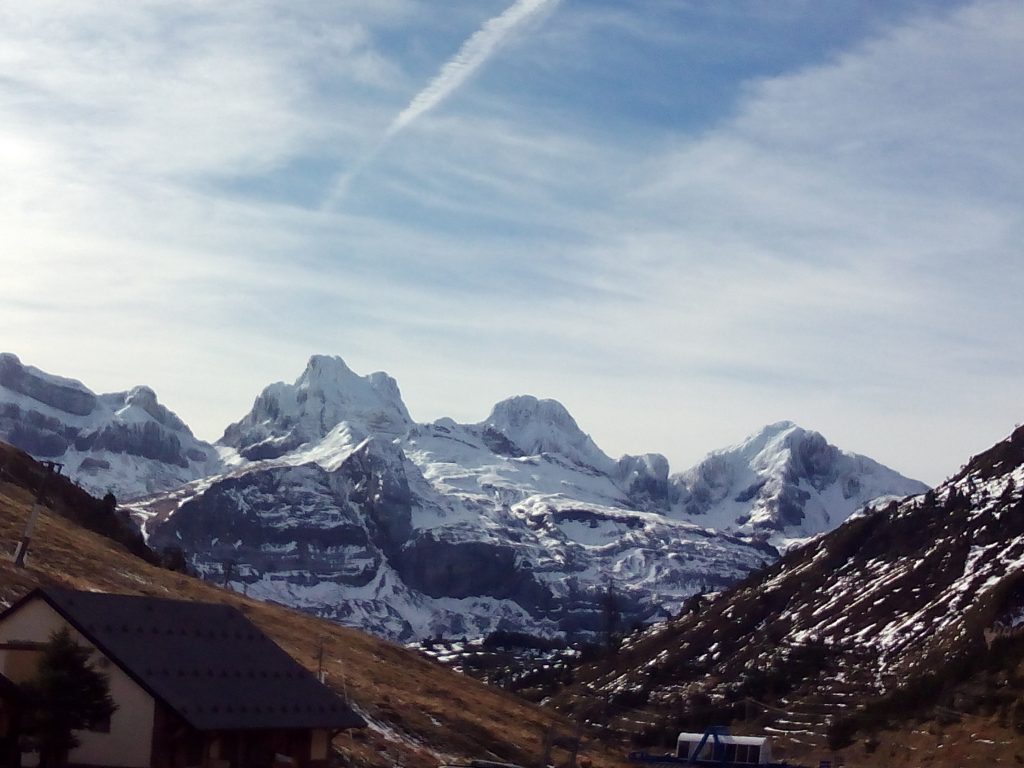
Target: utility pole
x: 575, y: 749
x: 549, y: 739
x: 51, y: 468
x: 320, y: 661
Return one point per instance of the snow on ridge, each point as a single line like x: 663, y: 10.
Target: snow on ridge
x: 286, y: 417
x: 784, y: 482
x: 948, y: 554
x: 544, y: 426
x: 125, y: 442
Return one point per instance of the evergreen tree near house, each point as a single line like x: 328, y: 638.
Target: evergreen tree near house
x: 66, y: 695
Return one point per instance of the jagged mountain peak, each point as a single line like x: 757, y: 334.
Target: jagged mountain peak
x: 285, y: 417
x: 778, y: 427
x: 775, y: 437
x: 784, y: 482
x: 782, y: 448
x: 125, y: 442
x: 536, y: 426
x: 140, y: 404
x: 330, y: 375
x: 326, y: 367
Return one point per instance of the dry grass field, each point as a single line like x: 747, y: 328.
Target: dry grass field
x: 421, y: 713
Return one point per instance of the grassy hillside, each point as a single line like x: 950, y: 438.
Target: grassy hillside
x: 896, y: 640
x: 421, y: 713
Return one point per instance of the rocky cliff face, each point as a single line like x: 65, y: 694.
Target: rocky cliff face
x: 64, y: 395
x: 373, y: 543
x: 124, y: 442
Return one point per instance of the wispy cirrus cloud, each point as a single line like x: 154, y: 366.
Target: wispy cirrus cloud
x: 839, y: 245
x: 472, y: 55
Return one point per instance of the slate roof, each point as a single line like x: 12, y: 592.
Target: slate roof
x: 207, y: 662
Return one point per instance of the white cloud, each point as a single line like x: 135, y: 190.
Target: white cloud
x: 469, y: 58
x: 453, y: 74
x: 844, y: 251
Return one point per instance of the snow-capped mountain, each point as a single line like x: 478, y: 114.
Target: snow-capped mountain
x: 448, y: 529
x: 526, y: 426
x: 124, y: 442
x: 327, y: 394
x: 339, y: 503
x: 783, y: 483
x: 328, y: 496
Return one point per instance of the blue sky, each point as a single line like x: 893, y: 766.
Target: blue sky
x: 681, y: 219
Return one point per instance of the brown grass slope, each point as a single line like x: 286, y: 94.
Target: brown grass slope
x: 874, y: 635
x: 420, y: 712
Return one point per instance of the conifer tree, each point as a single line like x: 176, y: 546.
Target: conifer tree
x: 66, y: 695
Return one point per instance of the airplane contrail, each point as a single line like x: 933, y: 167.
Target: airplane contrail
x: 480, y: 46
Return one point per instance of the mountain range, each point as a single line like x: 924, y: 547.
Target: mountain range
x: 328, y: 496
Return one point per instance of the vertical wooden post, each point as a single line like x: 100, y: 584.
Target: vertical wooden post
x: 33, y: 517
x: 545, y: 759
x: 576, y: 744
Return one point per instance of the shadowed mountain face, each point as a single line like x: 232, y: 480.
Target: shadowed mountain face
x: 904, y: 594
x: 370, y: 541
x: 329, y: 497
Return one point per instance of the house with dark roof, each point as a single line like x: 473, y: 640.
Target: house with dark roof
x: 196, y: 684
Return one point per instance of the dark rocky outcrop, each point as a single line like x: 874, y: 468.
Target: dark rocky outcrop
x: 148, y: 440
x: 377, y: 486
x: 645, y: 479
x: 469, y: 568
x: 240, y: 526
